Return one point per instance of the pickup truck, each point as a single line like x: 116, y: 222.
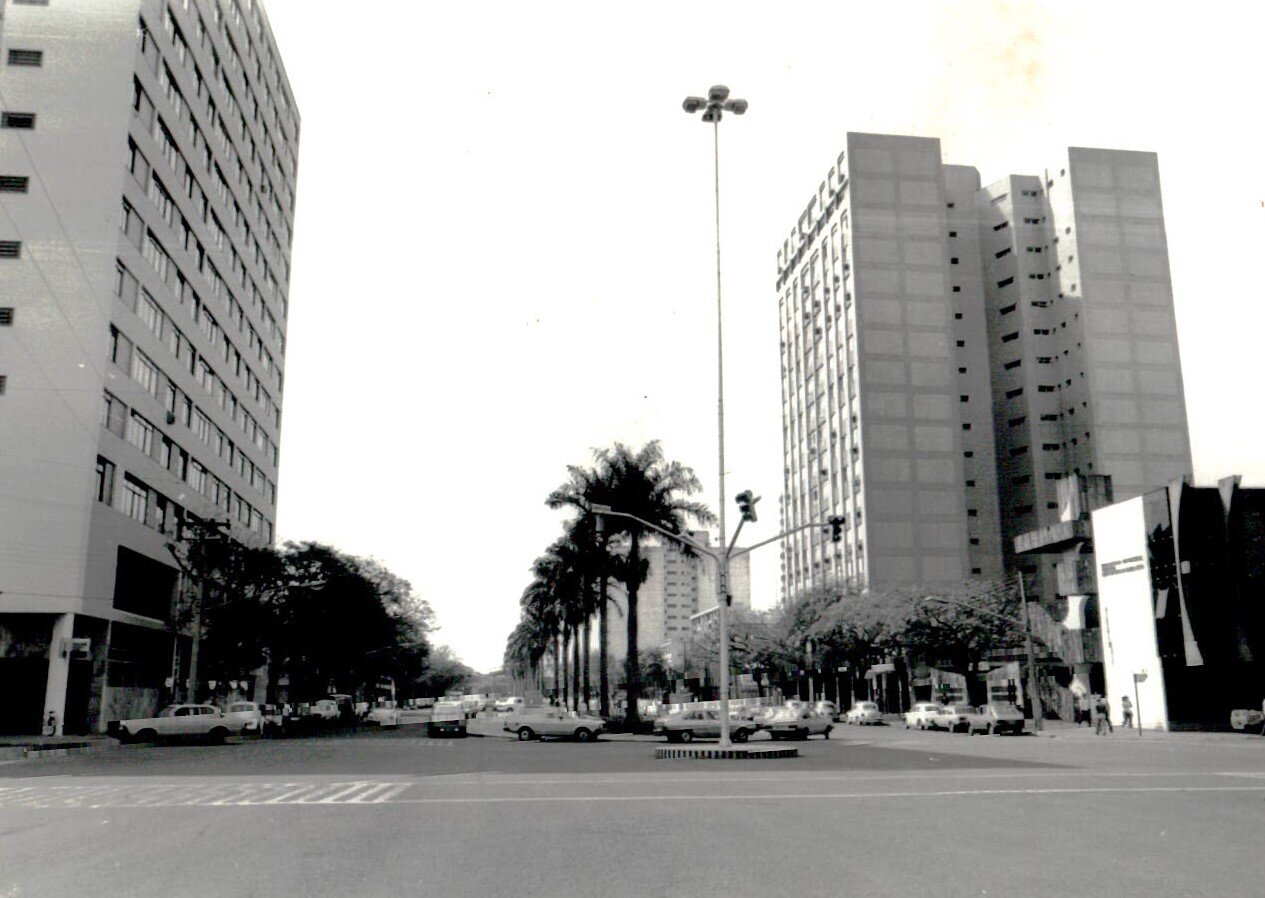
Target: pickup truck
x: 177, y: 721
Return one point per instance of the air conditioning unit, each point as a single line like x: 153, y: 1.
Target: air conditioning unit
x: 171, y: 417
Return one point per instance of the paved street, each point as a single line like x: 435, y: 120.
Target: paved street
x: 874, y: 811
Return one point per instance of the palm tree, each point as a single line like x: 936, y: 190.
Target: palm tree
x: 644, y: 484
x: 583, y: 488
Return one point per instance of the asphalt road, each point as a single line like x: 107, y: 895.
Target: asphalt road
x: 877, y: 811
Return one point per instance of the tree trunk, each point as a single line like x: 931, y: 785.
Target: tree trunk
x: 557, y: 665
x: 575, y: 667
x: 588, y: 688
x: 603, y: 663
x: 632, y: 670
x: 566, y: 666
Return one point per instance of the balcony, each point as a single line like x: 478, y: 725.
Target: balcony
x: 1053, y: 538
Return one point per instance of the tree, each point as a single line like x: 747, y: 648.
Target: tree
x: 644, y: 484
x: 444, y: 673
x: 583, y: 488
x: 959, y: 626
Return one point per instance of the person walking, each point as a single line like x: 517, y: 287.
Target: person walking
x: 1102, y: 711
x: 1126, y: 711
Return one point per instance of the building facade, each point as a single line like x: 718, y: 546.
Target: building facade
x: 1180, y: 603
x: 677, y: 587
x: 148, y: 157
x: 950, y: 352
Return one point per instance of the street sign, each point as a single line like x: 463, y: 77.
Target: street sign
x: 1139, y: 677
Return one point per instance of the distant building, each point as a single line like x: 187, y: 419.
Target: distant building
x: 148, y: 176
x: 676, y: 588
x: 951, y: 352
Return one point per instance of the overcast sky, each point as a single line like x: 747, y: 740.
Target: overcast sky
x: 503, y: 246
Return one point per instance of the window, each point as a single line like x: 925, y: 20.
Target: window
x: 1052, y: 417
x: 1006, y: 338
x: 10, y: 249
x: 4, y: 383
x: 1021, y: 479
x: 26, y: 57
x: 957, y: 316
x: 1036, y: 277
x: 964, y: 399
x: 6, y: 316
x: 1050, y: 447
x: 953, y: 233
x: 1023, y: 509
x: 1053, y: 476
x: 14, y: 183
x: 1045, y: 388
x: 145, y: 372
x: 140, y: 433
x: 135, y: 500
x: 1010, y: 366
x: 104, y: 490
x: 1005, y: 282
x: 1006, y: 310
x: 957, y: 289
x: 1018, y: 451
x: 24, y: 120
x: 1003, y: 252
x: 953, y: 261
x: 1003, y: 225
x: 961, y: 344
x: 1012, y: 394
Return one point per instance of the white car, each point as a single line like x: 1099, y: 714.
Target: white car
x: 384, y: 715
x: 513, y: 704
x: 791, y: 724
x: 863, y: 713
x: 177, y: 721
x: 952, y: 718
x: 919, y: 716
x: 247, y: 714
x: 537, y: 722
x: 447, y: 717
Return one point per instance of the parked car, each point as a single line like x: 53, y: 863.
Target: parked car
x: 246, y: 713
x: 792, y: 724
x: 447, y: 717
x: 534, y: 723
x: 827, y: 709
x: 863, y: 713
x: 951, y: 717
x: 995, y: 717
x: 384, y: 714
x: 796, y: 704
x: 514, y: 704
x: 273, y: 717
x: 325, y: 709
x: 920, y: 714
x: 702, y: 723
x: 177, y: 721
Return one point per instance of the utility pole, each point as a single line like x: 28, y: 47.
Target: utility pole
x: 198, y: 534
x: 1034, y: 693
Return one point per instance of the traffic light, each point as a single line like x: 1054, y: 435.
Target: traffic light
x: 746, y: 504
x: 836, y: 528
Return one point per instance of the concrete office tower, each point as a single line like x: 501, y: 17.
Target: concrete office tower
x: 1054, y: 292
x: 147, y: 161
x: 1085, y: 367
x: 884, y: 387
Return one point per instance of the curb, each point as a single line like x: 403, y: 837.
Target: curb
x: 716, y: 754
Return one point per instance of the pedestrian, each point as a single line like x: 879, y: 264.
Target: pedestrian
x: 1083, y: 709
x: 1102, y: 710
x: 1126, y: 712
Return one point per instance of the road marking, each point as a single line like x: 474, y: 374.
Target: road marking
x: 167, y: 795
x: 948, y: 793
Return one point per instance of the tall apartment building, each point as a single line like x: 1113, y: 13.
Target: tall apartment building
x: 676, y: 588
x: 148, y: 153
x: 950, y: 352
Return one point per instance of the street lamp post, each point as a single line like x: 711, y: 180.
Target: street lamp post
x: 713, y: 108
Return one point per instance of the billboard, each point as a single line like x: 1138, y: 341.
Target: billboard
x: 1127, y: 612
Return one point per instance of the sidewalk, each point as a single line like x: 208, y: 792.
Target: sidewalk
x: 1062, y: 729
x: 18, y: 747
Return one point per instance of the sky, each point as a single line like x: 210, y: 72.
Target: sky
x: 504, y: 239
